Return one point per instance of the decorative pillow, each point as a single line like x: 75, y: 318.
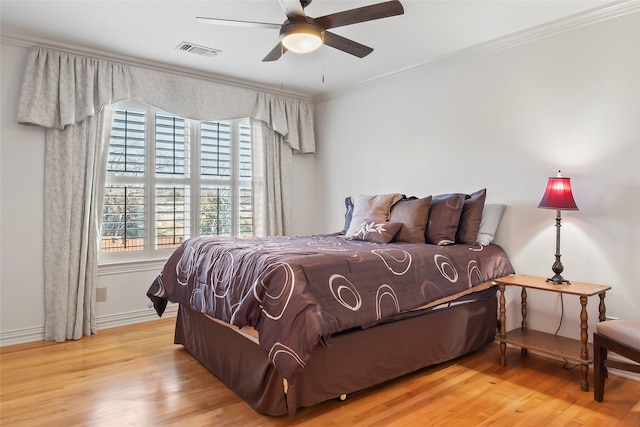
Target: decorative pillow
x: 444, y: 215
x: 376, y: 208
x: 470, y: 219
x: 491, y: 217
x: 348, y: 204
x: 413, y: 214
x: 377, y: 232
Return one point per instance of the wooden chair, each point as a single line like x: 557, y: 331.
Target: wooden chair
x: 618, y: 336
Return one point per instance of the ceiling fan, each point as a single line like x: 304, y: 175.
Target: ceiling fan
x: 301, y: 33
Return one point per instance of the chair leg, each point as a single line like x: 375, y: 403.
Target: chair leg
x: 599, y: 370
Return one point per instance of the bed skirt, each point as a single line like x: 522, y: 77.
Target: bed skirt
x: 351, y: 361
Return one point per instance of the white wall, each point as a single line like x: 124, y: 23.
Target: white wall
x: 507, y: 121
x: 21, y: 205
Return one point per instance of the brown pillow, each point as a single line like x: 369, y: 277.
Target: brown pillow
x: 377, y: 232
x: 444, y: 215
x: 471, y: 216
x: 376, y: 208
x: 413, y: 214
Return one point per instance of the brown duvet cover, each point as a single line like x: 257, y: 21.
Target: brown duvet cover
x: 298, y: 291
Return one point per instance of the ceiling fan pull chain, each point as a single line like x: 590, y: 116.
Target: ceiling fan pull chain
x: 281, y: 71
x: 322, y: 57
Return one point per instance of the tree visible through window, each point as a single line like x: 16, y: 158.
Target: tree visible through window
x: 170, y: 178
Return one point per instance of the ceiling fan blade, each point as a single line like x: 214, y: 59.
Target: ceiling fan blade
x: 346, y: 45
x: 361, y: 14
x: 293, y: 9
x: 275, y: 53
x: 235, y: 23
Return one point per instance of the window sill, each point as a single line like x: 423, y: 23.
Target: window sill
x: 130, y: 266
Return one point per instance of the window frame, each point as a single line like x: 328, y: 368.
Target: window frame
x: 151, y: 180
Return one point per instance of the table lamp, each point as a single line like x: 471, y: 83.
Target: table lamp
x: 558, y: 196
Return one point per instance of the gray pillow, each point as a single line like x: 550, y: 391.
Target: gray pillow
x: 348, y: 204
x: 491, y: 217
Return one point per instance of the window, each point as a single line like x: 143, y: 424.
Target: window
x: 170, y: 178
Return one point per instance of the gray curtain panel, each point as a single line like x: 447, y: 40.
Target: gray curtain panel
x: 272, y: 162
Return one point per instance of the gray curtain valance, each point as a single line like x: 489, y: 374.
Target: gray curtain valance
x: 60, y: 89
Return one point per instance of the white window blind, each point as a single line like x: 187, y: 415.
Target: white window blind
x: 127, y: 143
x: 215, y: 149
x: 171, y: 148
x: 170, y: 178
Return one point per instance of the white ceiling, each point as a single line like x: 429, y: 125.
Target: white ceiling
x: 150, y: 31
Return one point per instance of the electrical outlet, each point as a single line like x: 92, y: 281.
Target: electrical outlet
x: 101, y: 294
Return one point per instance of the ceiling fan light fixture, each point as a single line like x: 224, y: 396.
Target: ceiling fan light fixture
x: 301, y: 37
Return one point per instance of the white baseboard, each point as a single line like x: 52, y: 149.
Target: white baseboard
x: 21, y: 336
x: 132, y: 317
x: 618, y: 372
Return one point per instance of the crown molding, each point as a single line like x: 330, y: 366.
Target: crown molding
x: 30, y: 42
x: 549, y: 29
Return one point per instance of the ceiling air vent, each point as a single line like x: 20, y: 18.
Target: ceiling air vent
x: 198, y: 50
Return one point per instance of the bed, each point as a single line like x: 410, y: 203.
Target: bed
x: 289, y: 322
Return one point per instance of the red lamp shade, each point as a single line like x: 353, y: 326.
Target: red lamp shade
x: 558, y: 195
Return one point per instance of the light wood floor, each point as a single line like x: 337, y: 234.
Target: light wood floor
x: 136, y: 376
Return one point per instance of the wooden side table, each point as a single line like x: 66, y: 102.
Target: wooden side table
x: 525, y: 338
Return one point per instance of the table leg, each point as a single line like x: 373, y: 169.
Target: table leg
x: 602, y: 308
x: 584, y: 352
x: 503, y: 326
x: 523, y: 303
